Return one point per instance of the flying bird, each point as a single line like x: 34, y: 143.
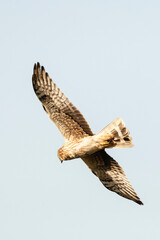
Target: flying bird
x: 80, y: 142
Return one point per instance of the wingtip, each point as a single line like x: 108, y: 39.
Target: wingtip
x: 34, y: 68
x: 47, y: 75
x: 42, y: 68
x: 38, y: 66
x: 139, y: 202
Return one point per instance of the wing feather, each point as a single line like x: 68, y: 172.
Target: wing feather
x: 61, y: 111
x: 111, y: 175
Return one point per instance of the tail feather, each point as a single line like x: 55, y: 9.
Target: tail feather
x: 116, y: 134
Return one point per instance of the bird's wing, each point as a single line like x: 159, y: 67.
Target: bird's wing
x: 111, y: 175
x: 61, y: 111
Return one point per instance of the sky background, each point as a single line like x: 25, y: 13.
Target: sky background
x: 105, y: 56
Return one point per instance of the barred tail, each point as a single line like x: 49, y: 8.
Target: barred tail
x: 115, y: 135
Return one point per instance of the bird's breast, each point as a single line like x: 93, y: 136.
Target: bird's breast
x: 78, y: 148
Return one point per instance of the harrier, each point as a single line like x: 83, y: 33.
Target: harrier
x: 80, y: 142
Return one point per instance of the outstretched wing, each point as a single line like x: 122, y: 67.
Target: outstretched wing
x: 61, y: 111
x: 111, y: 175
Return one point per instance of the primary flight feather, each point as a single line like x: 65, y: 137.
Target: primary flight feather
x: 80, y: 142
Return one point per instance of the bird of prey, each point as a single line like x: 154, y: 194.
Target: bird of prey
x: 80, y: 142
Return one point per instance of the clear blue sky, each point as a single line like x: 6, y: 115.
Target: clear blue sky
x: 105, y: 56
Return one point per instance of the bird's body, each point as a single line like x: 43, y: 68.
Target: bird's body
x: 80, y: 142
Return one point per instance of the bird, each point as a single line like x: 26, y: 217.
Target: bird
x: 80, y: 142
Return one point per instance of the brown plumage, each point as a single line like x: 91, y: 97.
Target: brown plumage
x: 79, y: 139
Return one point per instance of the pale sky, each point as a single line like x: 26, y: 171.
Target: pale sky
x: 105, y: 57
